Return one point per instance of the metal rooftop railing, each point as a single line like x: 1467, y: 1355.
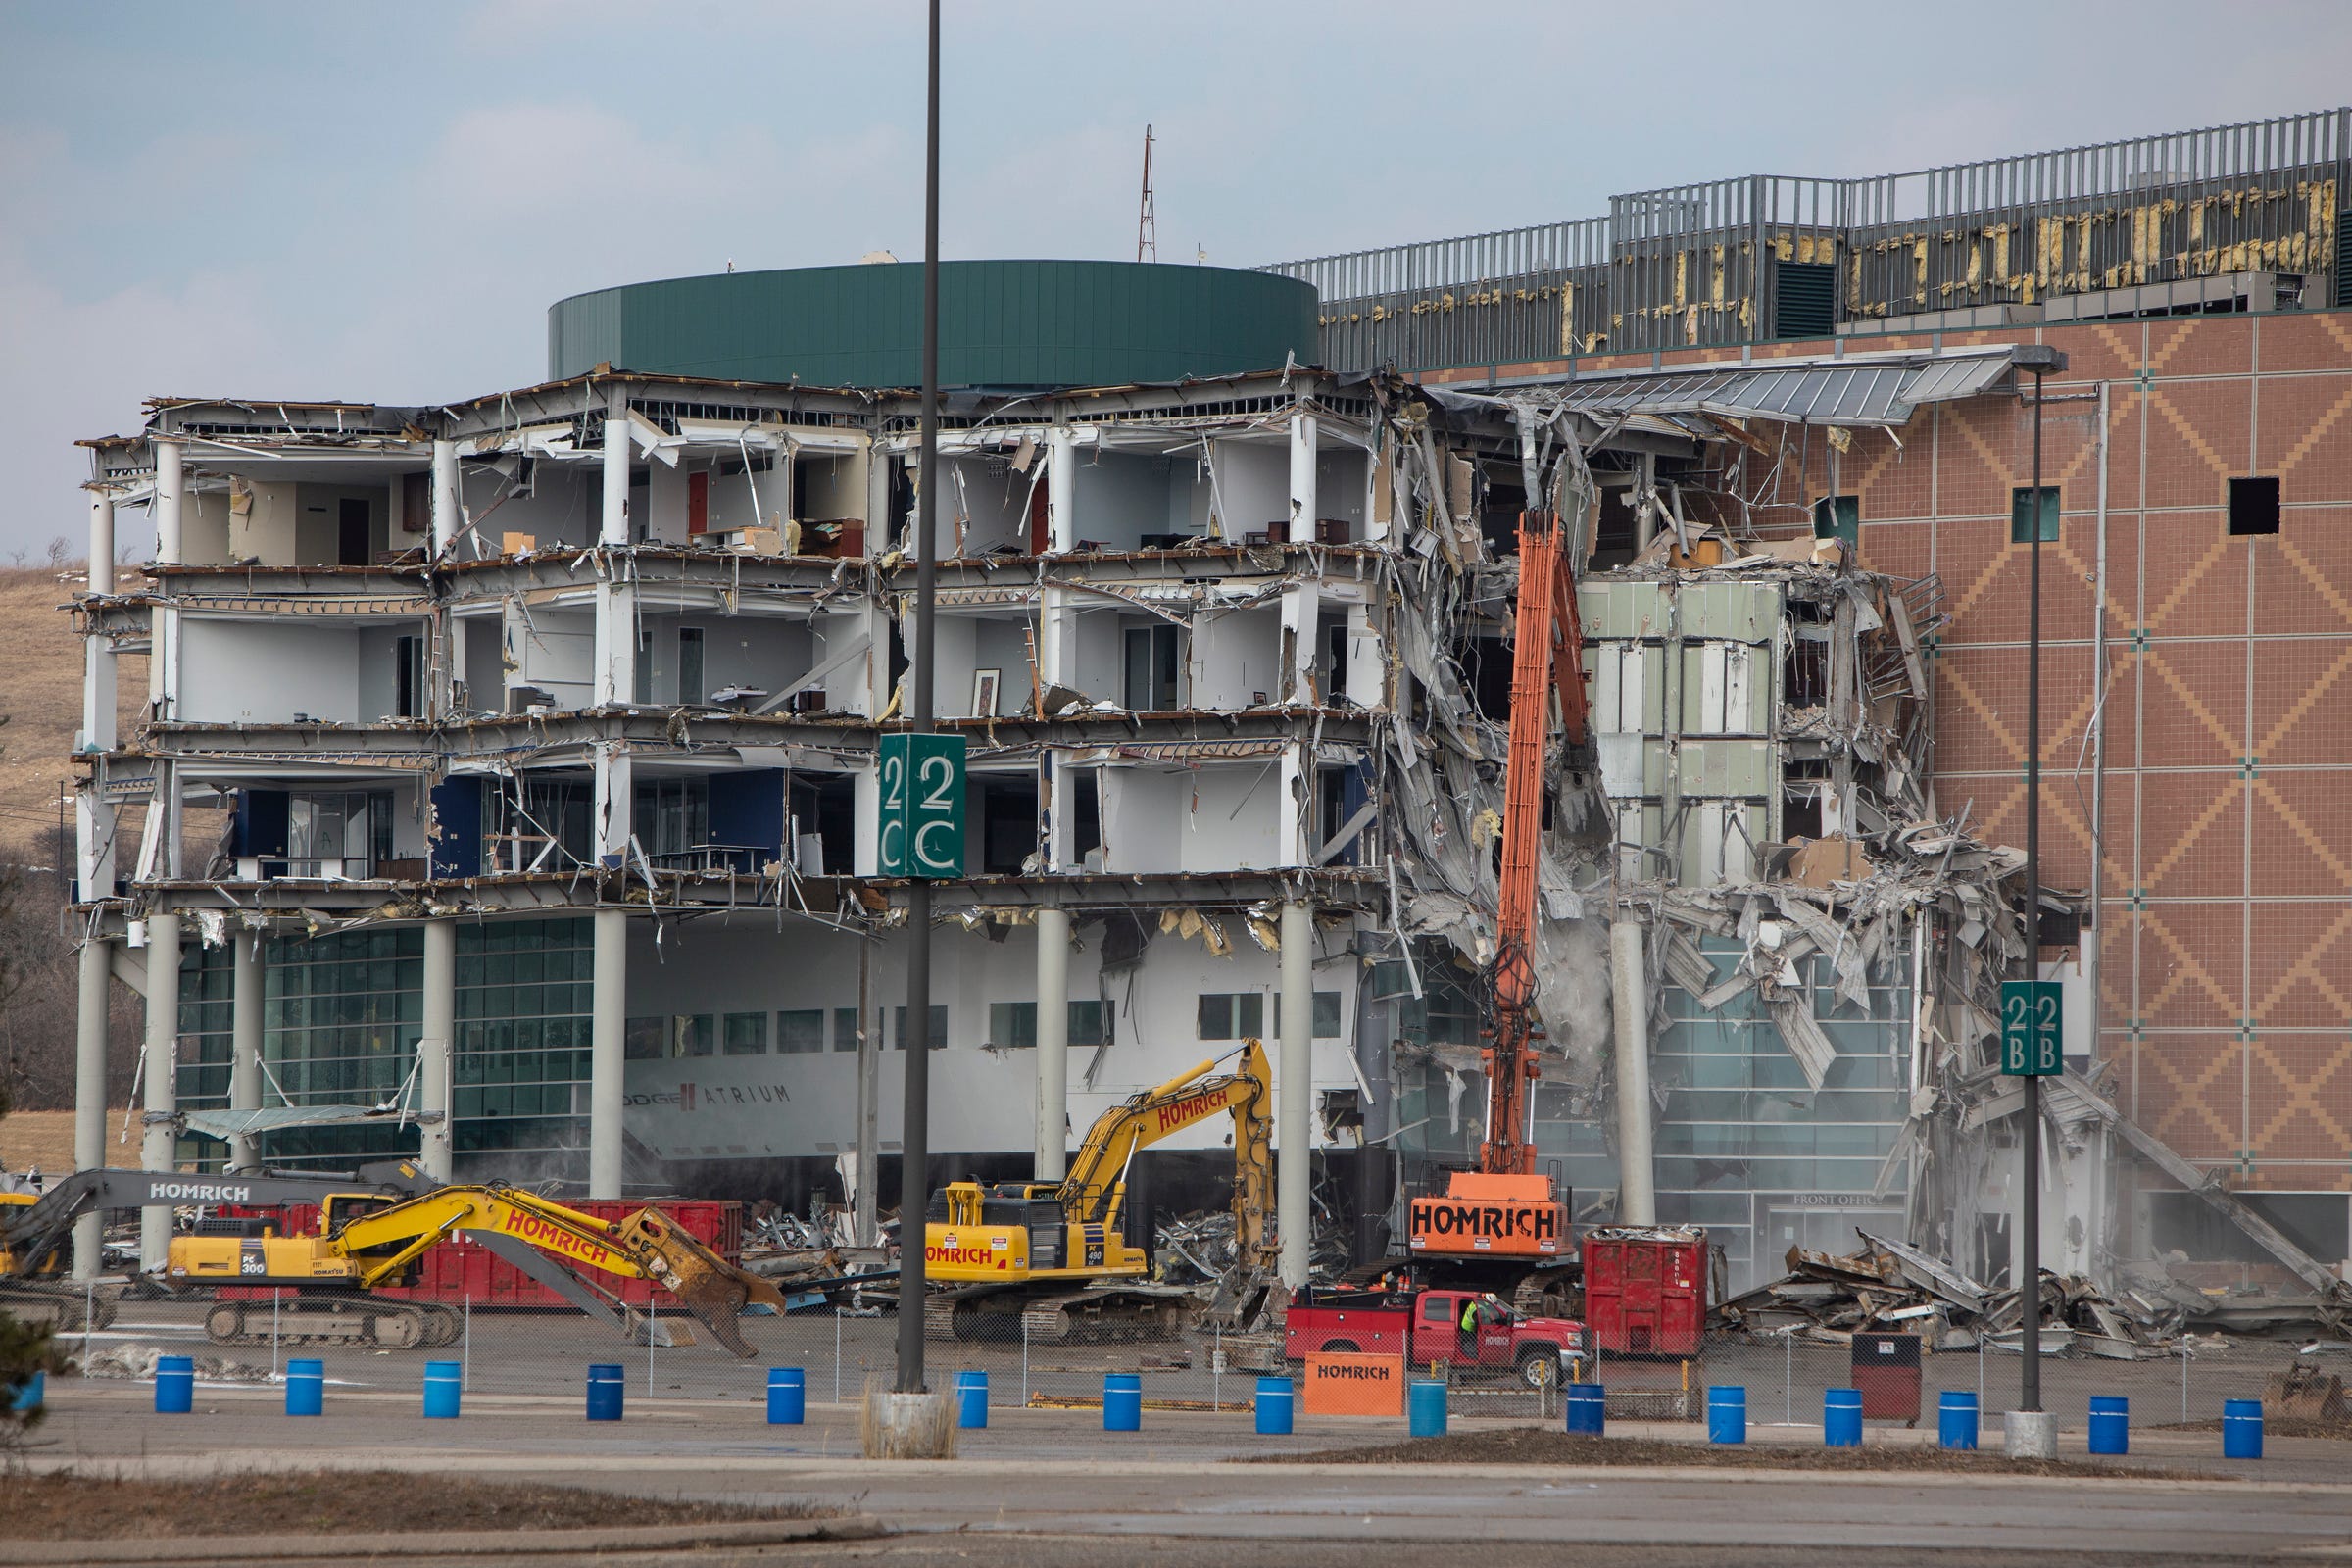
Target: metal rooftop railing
x: 1700, y: 264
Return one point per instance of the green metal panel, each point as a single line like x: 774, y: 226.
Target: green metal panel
x: 1737, y: 611
x: 1720, y: 767
x: 1002, y: 323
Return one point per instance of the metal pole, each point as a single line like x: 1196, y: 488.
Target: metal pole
x: 837, y: 1352
x: 1024, y: 1360
x: 914, y: 1137
x: 2029, y: 1199
x: 466, y: 1353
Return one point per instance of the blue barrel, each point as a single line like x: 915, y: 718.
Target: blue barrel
x: 971, y: 1400
x: 1726, y: 1412
x: 443, y: 1380
x: 1122, y: 1402
x: 787, y: 1396
x: 1841, y: 1418
x: 1274, y: 1398
x: 2242, y: 1429
x: 2111, y: 1424
x: 1425, y: 1408
x: 1956, y: 1420
x: 35, y: 1389
x: 305, y: 1388
x: 174, y: 1385
x: 1586, y: 1409
x: 604, y: 1392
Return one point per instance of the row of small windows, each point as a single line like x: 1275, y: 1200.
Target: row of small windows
x: 1242, y: 1015
x: 2254, y: 505
x: 805, y: 1031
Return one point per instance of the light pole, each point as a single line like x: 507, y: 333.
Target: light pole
x: 2036, y: 1435
x: 914, y: 1138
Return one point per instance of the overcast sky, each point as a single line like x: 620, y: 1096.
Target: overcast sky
x: 378, y: 203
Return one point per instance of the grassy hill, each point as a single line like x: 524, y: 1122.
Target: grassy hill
x: 40, y: 692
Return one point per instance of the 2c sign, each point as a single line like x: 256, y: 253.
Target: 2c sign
x: 922, y: 806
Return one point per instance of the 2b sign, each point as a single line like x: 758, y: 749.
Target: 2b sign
x: 2032, y: 1045
x: 922, y: 806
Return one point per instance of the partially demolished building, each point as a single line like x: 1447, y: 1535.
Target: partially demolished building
x: 2197, y: 527
x: 542, y: 727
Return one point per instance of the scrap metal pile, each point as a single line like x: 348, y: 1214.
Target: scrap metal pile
x: 1888, y: 1287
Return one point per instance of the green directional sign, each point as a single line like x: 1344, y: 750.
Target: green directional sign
x: 922, y: 806
x: 2032, y: 1044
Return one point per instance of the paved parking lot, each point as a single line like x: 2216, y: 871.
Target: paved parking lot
x: 1056, y: 1473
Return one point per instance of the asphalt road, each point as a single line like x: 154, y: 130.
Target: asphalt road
x: 1051, y: 1486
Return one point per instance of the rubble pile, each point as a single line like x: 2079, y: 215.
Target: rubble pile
x: 1888, y: 1287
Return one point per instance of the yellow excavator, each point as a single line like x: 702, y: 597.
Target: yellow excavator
x: 1050, y: 1255
x: 365, y: 1242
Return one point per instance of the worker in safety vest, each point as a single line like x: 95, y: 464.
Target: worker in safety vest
x: 1475, y: 1312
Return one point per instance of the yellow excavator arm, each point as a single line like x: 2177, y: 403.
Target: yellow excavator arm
x: 1095, y: 1187
x: 646, y: 1244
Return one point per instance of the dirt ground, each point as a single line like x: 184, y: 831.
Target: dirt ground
x: 1548, y: 1445
x: 89, y: 1507
x: 2272, y: 1426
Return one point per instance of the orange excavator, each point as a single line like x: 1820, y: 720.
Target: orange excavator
x: 1505, y: 1222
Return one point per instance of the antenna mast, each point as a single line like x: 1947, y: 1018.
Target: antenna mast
x: 1147, y: 223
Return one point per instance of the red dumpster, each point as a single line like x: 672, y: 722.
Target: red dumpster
x: 1645, y: 1291
x: 454, y: 1269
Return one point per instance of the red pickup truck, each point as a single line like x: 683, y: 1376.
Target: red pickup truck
x: 1425, y: 1326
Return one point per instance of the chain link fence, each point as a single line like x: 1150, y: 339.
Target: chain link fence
x: 844, y: 1349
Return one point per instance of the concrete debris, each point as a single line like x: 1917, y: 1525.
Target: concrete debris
x: 1888, y: 1287
x: 137, y: 1361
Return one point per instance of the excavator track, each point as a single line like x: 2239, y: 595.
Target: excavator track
x: 1550, y: 1292
x: 339, y: 1319
x: 70, y: 1307
x: 1108, y: 1314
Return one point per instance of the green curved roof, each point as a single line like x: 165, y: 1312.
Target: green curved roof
x: 1002, y: 323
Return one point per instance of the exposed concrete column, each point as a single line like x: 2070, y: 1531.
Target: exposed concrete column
x: 1061, y: 491
x: 96, y: 822
x: 448, y: 517
x: 170, y: 489
x: 1366, y: 671
x: 613, y: 807
x: 608, y: 1019
x: 1301, y: 608
x: 1293, y: 777
x: 612, y: 526
x: 1629, y: 988
x: 102, y: 541
x: 89, y: 1091
x: 1295, y: 1093
x: 160, y: 1076
x: 616, y: 599
x: 1305, y: 502
x: 1053, y: 1043
x: 245, y: 1045
x: 436, y: 1046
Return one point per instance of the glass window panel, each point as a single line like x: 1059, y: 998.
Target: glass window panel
x: 1216, y: 1015
x: 844, y: 1028
x: 1012, y: 1024
x: 800, y: 1031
